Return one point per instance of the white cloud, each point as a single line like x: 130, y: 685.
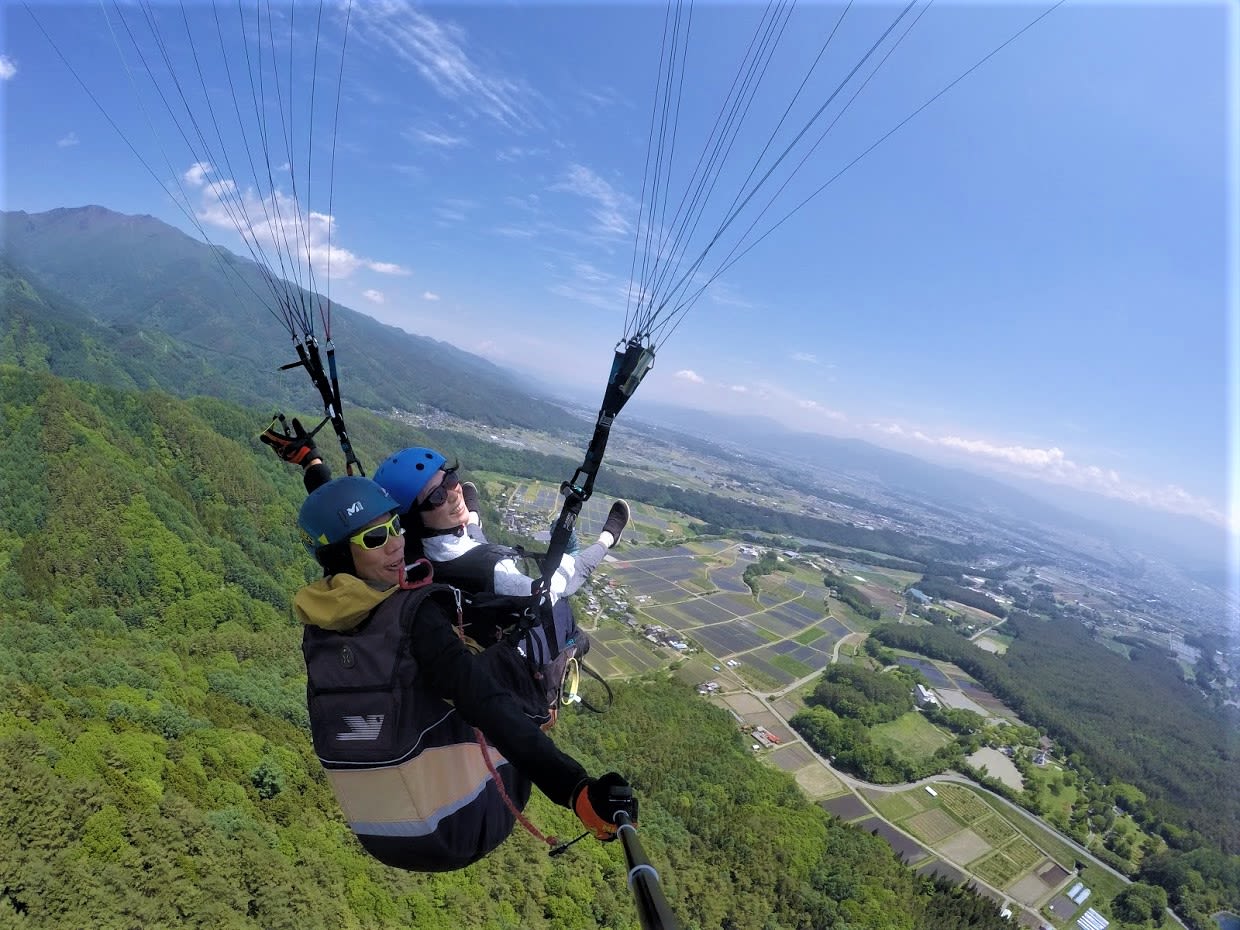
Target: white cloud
x: 429, y: 295
x: 1053, y: 465
x: 693, y: 377
x: 67, y: 141
x: 277, y: 222
x: 611, y: 208
x: 1017, y: 455
x: 807, y: 357
x: 439, y: 139
x: 8, y: 68
x: 375, y: 297
x: 739, y: 389
x: 890, y: 429
x: 437, y: 51
x: 384, y: 267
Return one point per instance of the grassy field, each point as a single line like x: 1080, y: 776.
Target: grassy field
x: 806, y: 637
x: 849, y: 617
x: 1105, y: 885
x: 755, y: 679
x: 973, y: 614
x: 1038, y: 783
x: 896, y: 807
x: 890, y: 578
x: 993, y: 643
x: 766, y: 634
x: 791, y: 666
x: 909, y: 737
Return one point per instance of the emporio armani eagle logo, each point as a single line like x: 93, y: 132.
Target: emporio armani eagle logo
x: 366, y: 727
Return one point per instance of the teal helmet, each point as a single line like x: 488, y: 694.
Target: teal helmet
x: 405, y: 473
x: 337, y: 510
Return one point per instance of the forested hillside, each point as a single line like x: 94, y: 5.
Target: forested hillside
x: 189, y: 318
x: 155, y: 768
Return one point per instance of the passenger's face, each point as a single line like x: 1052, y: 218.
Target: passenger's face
x: 452, y: 512
x: 385, y: 563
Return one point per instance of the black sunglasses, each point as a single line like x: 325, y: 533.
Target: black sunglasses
x: 439, y: 496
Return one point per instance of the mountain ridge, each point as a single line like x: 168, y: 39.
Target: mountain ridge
x: 142, y: 273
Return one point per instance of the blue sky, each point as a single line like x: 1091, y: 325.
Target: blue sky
x: 1034, y: 276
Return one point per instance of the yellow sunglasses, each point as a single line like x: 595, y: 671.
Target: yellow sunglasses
x: 375, y: 536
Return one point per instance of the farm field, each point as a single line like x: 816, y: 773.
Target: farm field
x: 785, y: 633
x: 960, y: 825
x: 850, y: 618
x: 614, y: 653
x: 909, y: 737
x: 993, y: 642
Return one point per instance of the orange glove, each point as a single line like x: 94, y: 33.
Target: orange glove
x: 296, y: 447
x: 598, y: 800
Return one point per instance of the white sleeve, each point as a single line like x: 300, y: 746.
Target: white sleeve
x: 510, y: 580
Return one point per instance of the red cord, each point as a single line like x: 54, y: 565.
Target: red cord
x: 486, y: 757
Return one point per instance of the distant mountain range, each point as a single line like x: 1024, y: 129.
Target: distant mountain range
x: 1199, y: 548
x: 132, y: 302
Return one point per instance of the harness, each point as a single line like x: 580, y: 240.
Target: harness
x: 404, y: 766
x: 544, y: 634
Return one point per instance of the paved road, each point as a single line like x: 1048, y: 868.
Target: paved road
x: 856, y: 784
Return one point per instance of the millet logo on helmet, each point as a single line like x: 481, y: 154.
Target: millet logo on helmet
x: 354, y: 508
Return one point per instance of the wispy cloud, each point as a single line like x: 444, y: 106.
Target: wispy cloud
x: 8, y: 68
x: 601, y: 99
x: 807, y: 357
x: 723, y: 294
x: 68, y: 141
x: 1052, y: 464
x: 515, y: 232
x: 686, y: 374
x: 611, y: 208
x: 515, y: 153
x: 454, y: 210
x: 436, y: 137
x: 584, y: 283
x: 375, y: 297
x: 438, y: 50
x: 429, y: 295
x: 277, y: 222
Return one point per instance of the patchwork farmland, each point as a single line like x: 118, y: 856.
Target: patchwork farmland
x: 699, y: 599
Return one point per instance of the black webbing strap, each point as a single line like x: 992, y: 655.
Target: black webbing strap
x: 328, y: 387
x: 631, y: 363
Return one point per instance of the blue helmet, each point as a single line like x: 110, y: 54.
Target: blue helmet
x: 335, y: 511
x: 405, y: 473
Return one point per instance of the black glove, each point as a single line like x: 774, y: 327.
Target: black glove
x: 296, y: 447
x: 469, y: 491
x: 598, y: 800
